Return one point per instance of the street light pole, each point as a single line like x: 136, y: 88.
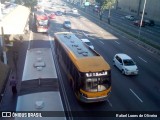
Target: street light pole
x: 141, y: 19
x: 2, y: 37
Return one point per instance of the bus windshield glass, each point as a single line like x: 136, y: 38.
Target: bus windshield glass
x: 96, y: 84
x: 43, y: 22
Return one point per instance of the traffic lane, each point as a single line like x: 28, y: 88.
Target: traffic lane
x: 123, y: 50
x: 81, y: 109
x: 150, y: 84
x: 73, y: 30
x: 57, y: 25
x: 135, y: 50
x: 121, y: 97
x: 123, y: 106
x: 138, y: 53
x: 141, y: 53
x: 40, y: 40
x: 108, y: 35
x: 74, y: 104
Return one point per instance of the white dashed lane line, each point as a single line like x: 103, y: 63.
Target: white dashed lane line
x: 142, y: 59
x: 117, y: 42
x: 136, y: 95
x: 101, y: 42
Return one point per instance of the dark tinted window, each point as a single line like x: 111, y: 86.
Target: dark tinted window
x: 128, y: 62
x: 119, y: 59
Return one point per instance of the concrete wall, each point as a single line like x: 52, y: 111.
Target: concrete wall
x: 152, y: 10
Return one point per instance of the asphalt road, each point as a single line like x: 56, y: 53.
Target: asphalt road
x: 129, y: 93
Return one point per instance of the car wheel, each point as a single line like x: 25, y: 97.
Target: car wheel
x: 123, y: 72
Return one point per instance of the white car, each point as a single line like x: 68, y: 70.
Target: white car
x: 129, y: 17
x: 125, y: 63
x: 74, y: 10
x: 67, y: 24
x: 86, y: 41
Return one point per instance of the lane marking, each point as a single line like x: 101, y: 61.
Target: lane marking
x: 136, y: 95
x: 117, y: 42
x: 110, y: 104
x: 149, y: 31
x: 30, y: 38
x: 101, y: 42
x: 124, y: 36
x: 85, y: 34
x: 150, y: 51
x: 142, y: 59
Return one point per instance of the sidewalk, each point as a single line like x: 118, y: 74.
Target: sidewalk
x: 8, y: 102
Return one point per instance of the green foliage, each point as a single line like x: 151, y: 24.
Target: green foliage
x: 18, y: 2
x: 107, y: 4
x: 28, y: 3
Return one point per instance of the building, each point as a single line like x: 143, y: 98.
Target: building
x: 135, y: 7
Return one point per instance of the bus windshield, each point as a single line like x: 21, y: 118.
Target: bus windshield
x: 96, y: 84
x: 43, y: 22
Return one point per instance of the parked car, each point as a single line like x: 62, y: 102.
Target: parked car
x: 130, y: 17
x: 86, y: 41
x: 138, y: 22
x: 67, y: 24
x: 125, y: 63
x: 59, y: 13
x: 74, y: 10
x: 149, y: 22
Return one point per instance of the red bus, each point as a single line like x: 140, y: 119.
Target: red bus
x: 41, y: 21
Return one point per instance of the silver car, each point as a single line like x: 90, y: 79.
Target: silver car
x: 67, y: 24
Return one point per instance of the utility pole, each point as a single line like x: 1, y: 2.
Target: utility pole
x: 2, y: 38
x: 141, y: 19
x: 3, y: 46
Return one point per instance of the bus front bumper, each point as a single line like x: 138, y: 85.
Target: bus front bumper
x: 91, y: 100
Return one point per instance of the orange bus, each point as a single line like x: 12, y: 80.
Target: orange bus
x: 88, y: 72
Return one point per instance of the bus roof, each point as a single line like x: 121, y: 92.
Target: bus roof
x: 29, y: 101
x: 86, y: 59
x: 41, y: 102
x: 39, y: 63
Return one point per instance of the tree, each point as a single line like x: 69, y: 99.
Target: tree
x: 106, y: 4
x: 27, y: 3
x: 30, y: 3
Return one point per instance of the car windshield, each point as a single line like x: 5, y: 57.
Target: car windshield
x: 67, y: 22
x: 88, y: 43
x: 128, y: 62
